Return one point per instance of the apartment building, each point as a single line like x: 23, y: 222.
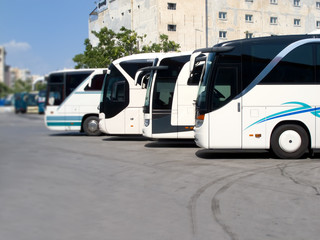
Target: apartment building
x: 201, y: 23
x: 255, y: 18
x: 182, y: 21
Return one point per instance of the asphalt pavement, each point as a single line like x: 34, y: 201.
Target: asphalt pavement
x: 67, y: 186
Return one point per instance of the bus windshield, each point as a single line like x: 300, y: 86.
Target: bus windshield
x: 115, y: 76
x: 202, y: 92
x: 147, y: 100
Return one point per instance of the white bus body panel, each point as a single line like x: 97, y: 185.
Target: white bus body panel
x: 282, y: 103
x: 225, y: 126
x: 102, y: 125
x: 133, y: 117
x: 117, y: 122
x: 262, y: 109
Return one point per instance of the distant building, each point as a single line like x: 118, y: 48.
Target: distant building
x: 19, y: 74
x: 196, y: 24
x: 2, y: 64
x: 254, y: 18
x: 182, y: 21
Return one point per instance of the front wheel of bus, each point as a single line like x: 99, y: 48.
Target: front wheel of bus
x: 289, y: 141
x: 91, y: 126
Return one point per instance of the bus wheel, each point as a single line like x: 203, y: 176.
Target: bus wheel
x: 91, y: 126
x: 289, y: 141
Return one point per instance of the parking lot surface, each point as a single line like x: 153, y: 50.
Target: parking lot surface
x: 65, y: 185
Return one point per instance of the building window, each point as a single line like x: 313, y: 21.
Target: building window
x: 318, y: 24
x: 274, y: 20
x: 296, y: 3
x: 172, y: 27
x: 223, y: 15
x: 297, y: 22
x: 223, y: 34
x: 318, y: 5
x: 172, y: 6
x: 248, y: 18
x: 273, y: 1
x: 249, y: 35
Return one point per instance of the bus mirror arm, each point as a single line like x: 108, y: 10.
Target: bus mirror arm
x: 107, y: 71
x: 138, y: 76
x: 199, y: 51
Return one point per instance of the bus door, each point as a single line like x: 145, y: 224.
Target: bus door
x: 225, y: 118
x: 162, y: 105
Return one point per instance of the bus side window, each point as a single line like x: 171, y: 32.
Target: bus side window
x: 96, y: 83
x: 296, y: 67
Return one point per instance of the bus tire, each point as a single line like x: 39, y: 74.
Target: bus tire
x: 289, y: 141
x: 91, y: 126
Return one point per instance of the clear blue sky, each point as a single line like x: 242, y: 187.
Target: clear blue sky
x: 43, y: 35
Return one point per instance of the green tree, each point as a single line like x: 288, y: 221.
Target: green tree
x: 4, y: 90
x: 113, y: 45
x: 128, y: 41
x: 103, y: 54
x: 40, y: 86
x: 22, y: 86
x: 165, y: 45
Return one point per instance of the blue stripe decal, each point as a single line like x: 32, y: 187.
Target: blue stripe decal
x: 61, y: 124
x: 64, y: 118
x: 304, y: 109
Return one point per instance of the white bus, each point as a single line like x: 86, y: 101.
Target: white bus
x: 261, y: 93
x: 169, y: 106
x: 121, y: 100
x: 72, y: 100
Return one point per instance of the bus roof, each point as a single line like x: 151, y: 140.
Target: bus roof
x: 76, y: 70
x: 263, y: 39
x: 149, y: 56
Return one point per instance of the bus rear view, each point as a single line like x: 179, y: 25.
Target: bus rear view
x: 72, y: 100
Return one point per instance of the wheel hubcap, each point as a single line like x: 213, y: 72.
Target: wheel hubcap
x: 290, y: 141
x: 93, y: 126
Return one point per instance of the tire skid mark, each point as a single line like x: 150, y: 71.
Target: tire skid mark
x: 215, y: 204
x: 285, y: 174
x: 193, y: 200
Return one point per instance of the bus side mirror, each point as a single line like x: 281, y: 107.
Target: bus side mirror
x: 144, y: 81
x: 193, y: 60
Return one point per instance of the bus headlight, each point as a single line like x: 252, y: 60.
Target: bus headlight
x: 199, y: 121
x: 146, y: 122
